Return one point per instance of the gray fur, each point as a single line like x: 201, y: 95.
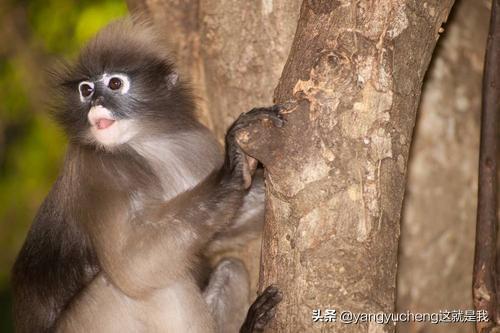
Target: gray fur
x: 116, y: 243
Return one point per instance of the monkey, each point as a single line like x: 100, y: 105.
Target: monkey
x: 143, y: 191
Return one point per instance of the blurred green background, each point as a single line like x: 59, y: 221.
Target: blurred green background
x: 33, y: 34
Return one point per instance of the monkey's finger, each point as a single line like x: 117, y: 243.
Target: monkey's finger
x: 269, y: 293
x: 267, y: 310
x: 256, y: 115
x: 247, y: 176
x: 268, y: 114
x: 252, y: 164
x: 283, y: 107
x: 278, y: 121
x: 262, y: 322
x: 271, y: 301
x: 262, y: 310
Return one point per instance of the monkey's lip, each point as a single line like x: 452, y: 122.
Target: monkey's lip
x: 103, y: 123
x: 100, y: 118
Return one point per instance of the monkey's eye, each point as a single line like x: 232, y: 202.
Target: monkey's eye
x: 115, y: 83
x: 86, y: 88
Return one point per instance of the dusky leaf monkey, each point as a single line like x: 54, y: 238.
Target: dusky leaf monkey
x: 143, y: 192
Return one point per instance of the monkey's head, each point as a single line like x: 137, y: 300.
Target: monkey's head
x: 122, y: 87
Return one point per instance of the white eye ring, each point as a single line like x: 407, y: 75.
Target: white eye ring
x: 123, y: 78
x: 88, y: 83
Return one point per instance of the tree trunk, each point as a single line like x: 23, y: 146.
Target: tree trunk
x: 336, y: 172
x: 437, y: 247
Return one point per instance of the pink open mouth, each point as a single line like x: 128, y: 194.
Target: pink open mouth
x: 103, y: 123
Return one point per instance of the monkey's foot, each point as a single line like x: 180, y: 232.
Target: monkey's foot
x: 262, y: 310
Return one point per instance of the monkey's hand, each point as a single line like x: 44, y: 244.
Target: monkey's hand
x: 262, y: 310
x: 237, y: 162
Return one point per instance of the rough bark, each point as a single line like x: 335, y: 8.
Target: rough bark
x: 245, y: 45
x: 233, y: 51
x: 437, y: 241
x: 336, y: 171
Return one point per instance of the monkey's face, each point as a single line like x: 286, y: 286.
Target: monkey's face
x: 122, y: 88
x: 137, y: 96
x: 101, y: 96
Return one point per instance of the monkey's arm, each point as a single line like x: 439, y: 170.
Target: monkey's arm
x: 54, y: 264
x: 247, y: 223
x: 158, y: 247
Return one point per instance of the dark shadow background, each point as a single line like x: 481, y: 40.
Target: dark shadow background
x: 33, y: 35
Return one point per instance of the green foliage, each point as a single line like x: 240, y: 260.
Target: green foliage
x: 31, y: 145
x: 63, y: 26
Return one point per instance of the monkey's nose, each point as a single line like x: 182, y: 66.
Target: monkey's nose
x: 98, y: 101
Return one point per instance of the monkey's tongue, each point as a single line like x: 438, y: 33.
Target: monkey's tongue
x: 103, y: 123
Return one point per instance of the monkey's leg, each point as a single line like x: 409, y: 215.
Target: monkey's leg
x: 227, y: 295
x: 262, y: 310
x: 102, y: 307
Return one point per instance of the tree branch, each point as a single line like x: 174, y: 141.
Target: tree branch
x: 485, y: 275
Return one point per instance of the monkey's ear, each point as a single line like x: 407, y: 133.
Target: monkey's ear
x: 172, y: 79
